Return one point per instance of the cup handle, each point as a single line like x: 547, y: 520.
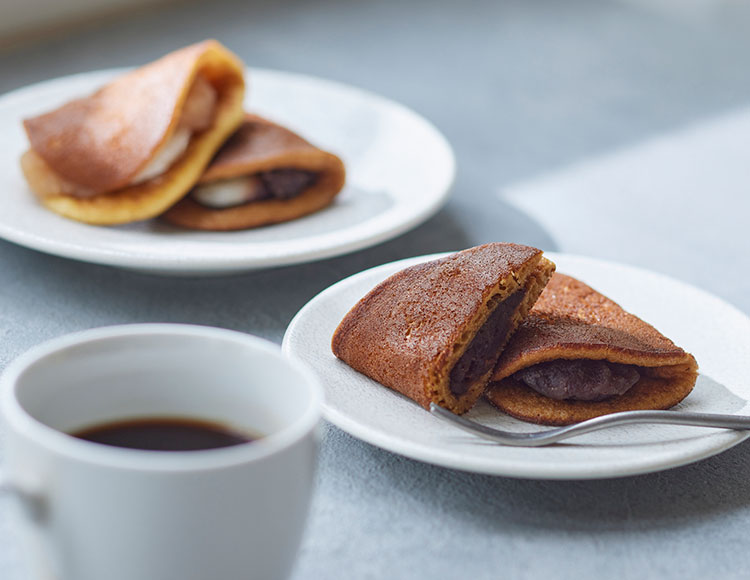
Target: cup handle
x: 31, y: 500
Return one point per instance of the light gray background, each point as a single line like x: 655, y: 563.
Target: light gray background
x: 521, y: 89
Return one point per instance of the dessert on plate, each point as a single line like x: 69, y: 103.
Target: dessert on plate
x: 138, y: 144
x: 434, y: 331
x: 264, y: 174
x: 579, y: 355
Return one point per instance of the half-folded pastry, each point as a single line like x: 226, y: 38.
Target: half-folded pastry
x: 265, y: 174
x: 434, y: 331
x: 579, y: 355
x: 138, y: 144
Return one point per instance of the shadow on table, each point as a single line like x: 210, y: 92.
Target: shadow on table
x: 671, y: 498
x: 56, y: 295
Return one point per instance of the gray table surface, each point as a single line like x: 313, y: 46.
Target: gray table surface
x: 521, y: 89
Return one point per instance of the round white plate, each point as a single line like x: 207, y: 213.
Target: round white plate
x: 399, y: 173
x: 715, y: 332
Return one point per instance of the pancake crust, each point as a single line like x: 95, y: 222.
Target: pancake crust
x: 573, y: 321
x: 409, y: 332
x: 100, y: 143
x: 261, y: 145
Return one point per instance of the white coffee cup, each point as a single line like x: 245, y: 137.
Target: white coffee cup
x: 90, y: 511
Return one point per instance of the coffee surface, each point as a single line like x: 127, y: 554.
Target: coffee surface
x: 164, y: 434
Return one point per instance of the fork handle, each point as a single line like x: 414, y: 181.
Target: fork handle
x: 716, y: 420
x: 549, y: 436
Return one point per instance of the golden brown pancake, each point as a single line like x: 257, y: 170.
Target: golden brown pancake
x: 86, y: 156
x: 573, y: 322
x: 434, y: 331
x: 259, y: 148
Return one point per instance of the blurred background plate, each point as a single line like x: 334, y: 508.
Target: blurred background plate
x: 399, y: 172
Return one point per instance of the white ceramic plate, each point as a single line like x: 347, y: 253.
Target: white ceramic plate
x: 399, y: 172
x: 715, y: 332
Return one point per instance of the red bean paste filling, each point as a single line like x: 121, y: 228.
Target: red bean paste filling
x: 484, y: 349
x: 286, y: 183
x: 278, y: 184
x: 579, y: 380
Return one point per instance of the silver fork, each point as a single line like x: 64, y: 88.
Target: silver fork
x: 548, y: 436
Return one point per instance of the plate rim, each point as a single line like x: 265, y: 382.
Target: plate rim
x: 723, y: 440
x: 304, y: 252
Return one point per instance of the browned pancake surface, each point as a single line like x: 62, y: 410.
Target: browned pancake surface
x: 410, y: 330
x: 649, y: 393
x: 262, y: 145
x: 102, y: 141
x: 99, y: 143
x: 573, y: 321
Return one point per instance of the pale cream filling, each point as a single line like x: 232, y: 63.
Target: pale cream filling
x: 172, y: 150
x: 197, y: 115
x: 229, y: 192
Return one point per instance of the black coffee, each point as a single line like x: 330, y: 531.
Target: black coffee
x: 164, y: 434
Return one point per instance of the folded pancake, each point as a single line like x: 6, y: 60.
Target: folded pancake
x: 265, y: 174
x: 579, y: 355
x: 140, y: 143
x: 434, y: 331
